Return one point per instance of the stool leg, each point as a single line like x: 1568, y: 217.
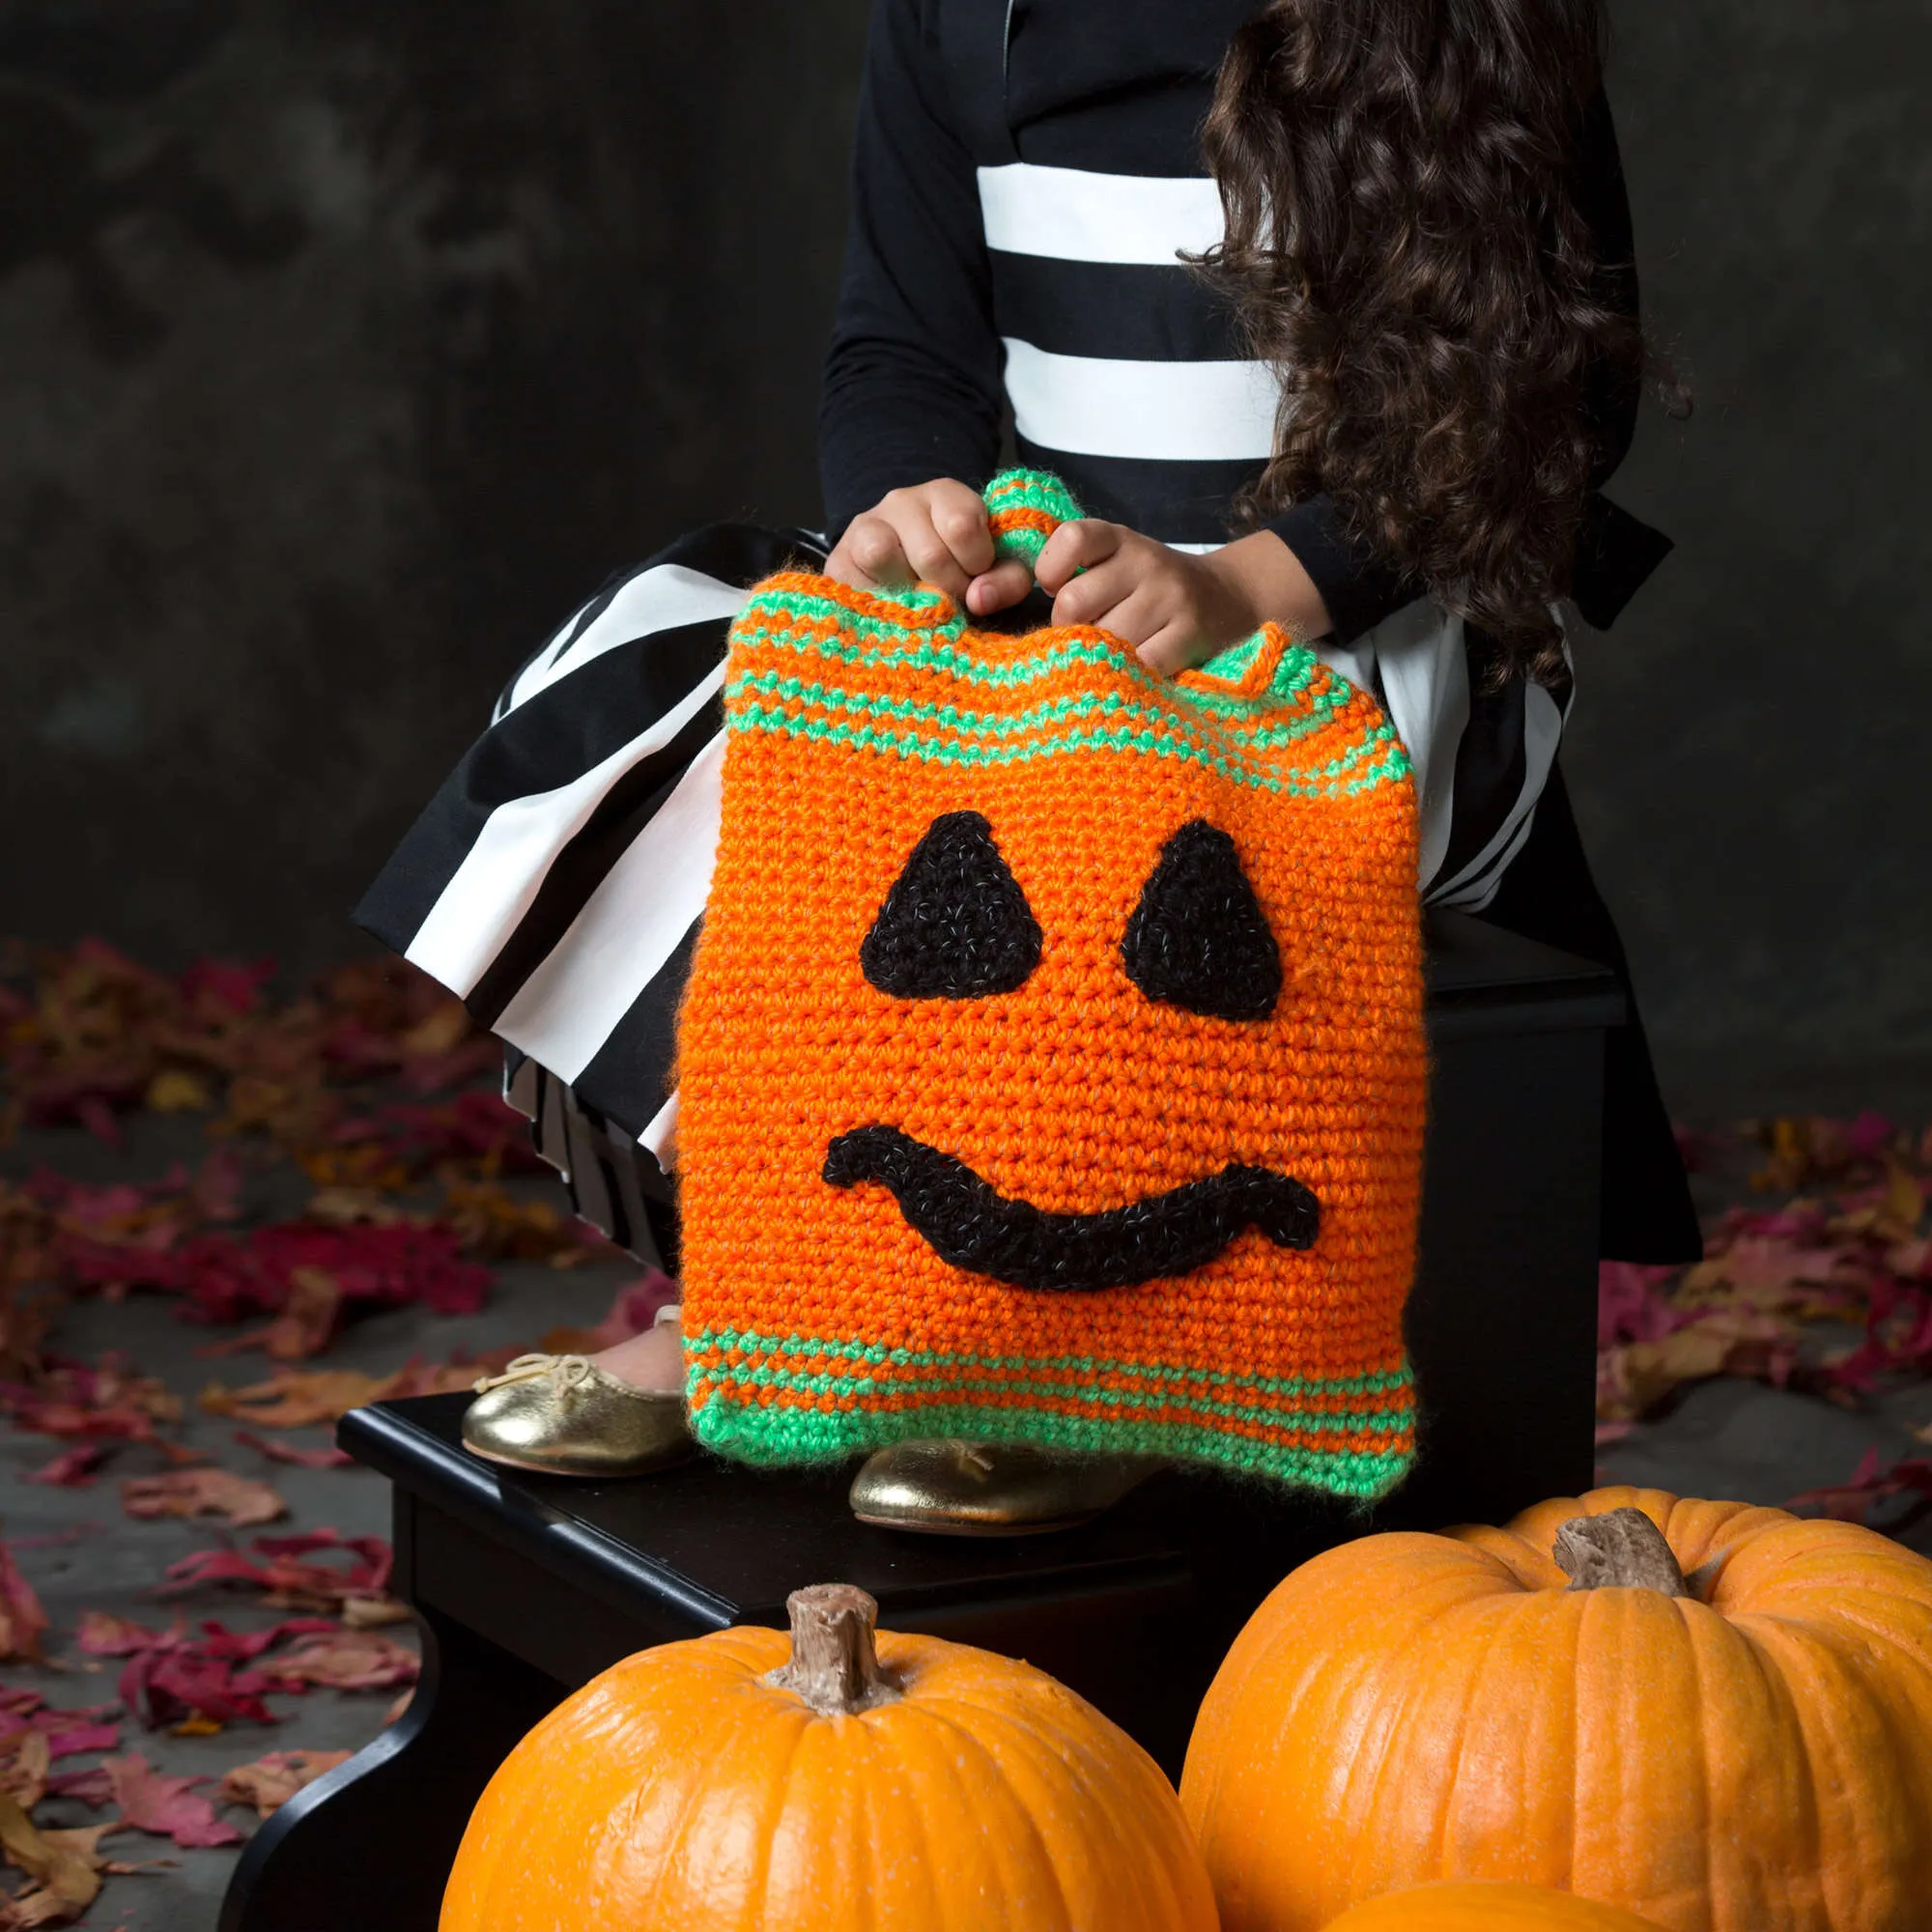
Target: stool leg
x: 370, y: 1844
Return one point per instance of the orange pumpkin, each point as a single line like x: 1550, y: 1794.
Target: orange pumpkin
x: 736, y: 1783
x: 1747, y: 1751
x: 1487, y: 1906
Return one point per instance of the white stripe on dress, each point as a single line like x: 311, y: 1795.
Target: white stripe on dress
x: 633, y: 922
x: 1072, y: 215
x: 498, y: 881
x: 660, y: 599
x: 1475, y: 885
x: 1159, y: 411
x: 660, y: 1136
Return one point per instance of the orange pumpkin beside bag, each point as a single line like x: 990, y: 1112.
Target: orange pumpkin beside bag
x: 738, y: 1783
x: 1746, y: 1751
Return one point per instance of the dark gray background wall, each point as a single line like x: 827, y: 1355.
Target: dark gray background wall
x: 342, y: 348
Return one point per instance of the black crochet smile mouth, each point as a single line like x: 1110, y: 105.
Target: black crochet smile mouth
x: 971, y: 1225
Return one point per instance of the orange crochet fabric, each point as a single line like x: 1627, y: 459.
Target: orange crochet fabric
x: 1053, y: 1062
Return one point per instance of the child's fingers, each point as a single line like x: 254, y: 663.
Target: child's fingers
x: 1174, y: 647
x: 1075, y: 547
x: 1096, y: 593
x: 931, y: 555
x: 870, y: 555
x: 999, y: 588
x: 959, y: 517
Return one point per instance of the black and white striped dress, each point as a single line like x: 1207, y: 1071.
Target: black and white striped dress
x: 1022, y: 189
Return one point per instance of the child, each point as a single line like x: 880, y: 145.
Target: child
x: 1361, y: 302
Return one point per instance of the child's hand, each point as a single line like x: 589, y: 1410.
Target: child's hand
x: 934, y: 533
x: 1177, y: 608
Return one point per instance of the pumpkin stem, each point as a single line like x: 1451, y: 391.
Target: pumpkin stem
x: 1620, y: 1548
x: 834, y: 1667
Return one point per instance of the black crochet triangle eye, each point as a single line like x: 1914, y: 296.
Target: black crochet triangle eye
x: 956, y: 923
x: 1199, y: 938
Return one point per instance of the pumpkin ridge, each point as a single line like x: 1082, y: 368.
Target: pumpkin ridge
x: 1109, y: 1766
x: 1798, y: 1656
x: 712, y: 1739
x: 969, y: 1736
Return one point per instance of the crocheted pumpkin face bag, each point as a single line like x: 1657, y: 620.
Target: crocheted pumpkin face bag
x: 1052, y: 1066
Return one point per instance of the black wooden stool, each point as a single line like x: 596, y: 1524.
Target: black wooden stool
x: 526, y: 1586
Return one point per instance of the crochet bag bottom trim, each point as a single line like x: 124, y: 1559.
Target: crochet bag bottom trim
x: 786, y: 1399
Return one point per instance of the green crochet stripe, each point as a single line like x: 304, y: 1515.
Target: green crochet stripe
x: 1259, y: 730
x: 754, y: 1432
x: 873, y: 642
x: 1028, y: 490
x: 1346, y: 775
x: 1032, y: 490
x: 863, y: 638
x: 746, y: 1341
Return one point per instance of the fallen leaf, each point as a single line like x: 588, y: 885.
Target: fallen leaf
x: 373, y: 1612
x: 296, y: 1398
x: 102, y: 1633
x: 330, y: 1458
x: 22, y: 1621
x: 173, y: 1090
x: 278, y: 1566
x: 151, y: 1801
x: 272, y: 1781
x: 1874, y: 1482
x: 64, y: 1866
x: 25, y: 1768
x: 76, y: 1737
x: 344, y: 1660
x: 72, y: 1468
x: 203, y: 1492
x: 174, y: 1677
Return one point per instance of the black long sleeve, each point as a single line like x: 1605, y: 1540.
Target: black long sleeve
x: 912, y: 385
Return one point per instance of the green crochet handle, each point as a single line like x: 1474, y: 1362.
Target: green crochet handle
x: 1025, y: 507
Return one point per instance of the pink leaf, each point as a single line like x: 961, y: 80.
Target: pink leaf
x: 344, y: 1660
x: 22, y: 1621
x: 72, y: 1468
x: 203, y: 1492
x: 82, y: 1738
x: 330, y: 1458
x: 168, y: 1806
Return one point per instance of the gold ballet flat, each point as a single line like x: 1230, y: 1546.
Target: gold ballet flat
x: 955, y: 1487
x: 562, y: 1415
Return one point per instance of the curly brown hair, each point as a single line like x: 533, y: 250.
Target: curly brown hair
x: 1405, y: 245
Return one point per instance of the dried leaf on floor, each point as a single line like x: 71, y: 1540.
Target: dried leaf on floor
x: 105, y: 1401
x: 169, y: 1807
x: 296, y: 1398
x: 72, y: 1468
x: 25, y: 1767
x: 1874, y: 1482
x: 64, y: 1866
x: 270, y: 1780
x: 374, y: 1613
x: 344, y: 1660
x: 203, y: 1492
x: 22, y: 1621
x: 174, y: 1676
x: 283, y: 1569
x: 328, y: 1458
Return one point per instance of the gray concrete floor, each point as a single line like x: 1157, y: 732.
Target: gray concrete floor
x: 81, y: 1552
x: 1724, y: 1438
